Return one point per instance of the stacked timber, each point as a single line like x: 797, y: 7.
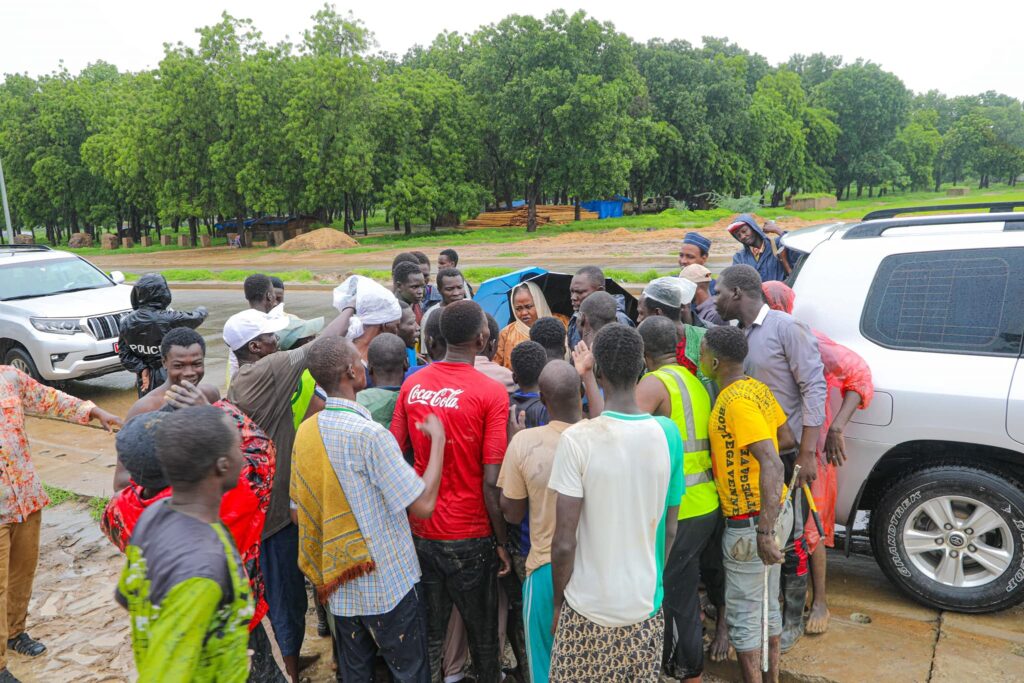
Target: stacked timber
x: 555, y: 214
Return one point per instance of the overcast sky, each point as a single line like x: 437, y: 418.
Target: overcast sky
x: 956, y: 47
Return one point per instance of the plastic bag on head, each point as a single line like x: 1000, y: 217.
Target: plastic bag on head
x: 374, y: 304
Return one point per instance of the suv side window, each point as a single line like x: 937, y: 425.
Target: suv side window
x: 963, y: 301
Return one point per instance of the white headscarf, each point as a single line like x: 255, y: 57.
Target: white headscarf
x: 540, y: 304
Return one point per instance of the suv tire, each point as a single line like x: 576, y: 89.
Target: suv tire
x: 924, y: 541
x: 19, y: 358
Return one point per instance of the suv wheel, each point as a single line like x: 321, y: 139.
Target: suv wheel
x: 19, y: 358
x: 952, y: 537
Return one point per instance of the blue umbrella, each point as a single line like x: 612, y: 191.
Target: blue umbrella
x: 492, y: 295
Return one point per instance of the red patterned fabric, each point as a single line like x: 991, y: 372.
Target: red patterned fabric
x: 242, y: 510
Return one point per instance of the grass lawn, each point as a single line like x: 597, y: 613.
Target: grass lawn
x: 852, y: 209
x: 478, y: 275
x: 383, y: 237
x: 201, y: 275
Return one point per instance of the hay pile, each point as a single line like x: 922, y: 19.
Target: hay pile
x: 324, y: 238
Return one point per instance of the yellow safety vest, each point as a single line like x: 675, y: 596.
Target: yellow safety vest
x: 691, y: 412
x: 302, y: 396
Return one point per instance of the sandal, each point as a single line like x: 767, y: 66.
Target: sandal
x: 24, y: 644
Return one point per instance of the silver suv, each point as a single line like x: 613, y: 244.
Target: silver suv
x: 59, y: 314
x: 935, y: 305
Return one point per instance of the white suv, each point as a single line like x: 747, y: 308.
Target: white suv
x: 59, y: 314
x: 935, y: 305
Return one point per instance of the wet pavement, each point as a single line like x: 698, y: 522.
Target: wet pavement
x: 82, y: 459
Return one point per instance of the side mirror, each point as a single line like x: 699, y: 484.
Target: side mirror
x: 117, y: 276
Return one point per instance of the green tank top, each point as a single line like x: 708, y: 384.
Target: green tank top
x: 691, y: 412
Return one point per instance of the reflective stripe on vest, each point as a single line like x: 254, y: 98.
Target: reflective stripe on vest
x: 689, y: 397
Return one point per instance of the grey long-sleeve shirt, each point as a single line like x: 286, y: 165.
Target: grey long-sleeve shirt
x: 783, y: 353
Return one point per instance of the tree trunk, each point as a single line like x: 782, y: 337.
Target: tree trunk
x: 345, y: 223
x: 871, y: 191
x: 396, y: 224
x: 576, y: 212
x: 74, y: 222
x: 531, y: 213
x: 365, y: 229
x: 408, y: 226
x: 508, y: 196
x: 193, y: 231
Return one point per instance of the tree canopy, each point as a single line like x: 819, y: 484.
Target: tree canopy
x: 562, y: 108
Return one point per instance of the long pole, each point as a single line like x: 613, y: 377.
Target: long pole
x: 9, y: 230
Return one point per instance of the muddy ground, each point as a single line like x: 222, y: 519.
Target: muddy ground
x: 72, y: 607
x: 876, y: 634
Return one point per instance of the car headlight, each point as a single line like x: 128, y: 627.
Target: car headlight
x: 58, y: 325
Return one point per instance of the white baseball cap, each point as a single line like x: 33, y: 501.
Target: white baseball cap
x: 242, y: 328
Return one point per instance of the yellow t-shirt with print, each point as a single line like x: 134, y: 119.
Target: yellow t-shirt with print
x: 746, y: 412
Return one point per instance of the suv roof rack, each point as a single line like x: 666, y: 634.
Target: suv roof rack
x: 24, y: 247
x: 993, y: 207
x: 875, y: 228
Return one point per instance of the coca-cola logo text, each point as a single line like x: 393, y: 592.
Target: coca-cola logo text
x: 441, y: 398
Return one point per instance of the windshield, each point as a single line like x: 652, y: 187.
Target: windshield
x: 45, y: 278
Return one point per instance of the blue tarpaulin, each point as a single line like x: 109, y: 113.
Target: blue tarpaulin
x: 606, y: 208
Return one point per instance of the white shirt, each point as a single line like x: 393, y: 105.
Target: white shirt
x: 627, y: 469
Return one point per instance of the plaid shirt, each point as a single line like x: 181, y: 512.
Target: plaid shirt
x: 21, y: 492
x: 379, y: 485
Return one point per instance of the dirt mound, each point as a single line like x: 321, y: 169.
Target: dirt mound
x: 587, y: 237
x: 324, y: 238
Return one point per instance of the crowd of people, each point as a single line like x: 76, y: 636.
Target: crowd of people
x: 582, y: 490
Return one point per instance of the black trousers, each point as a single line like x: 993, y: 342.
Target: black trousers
x: 463, y: 573
x: 400, y: 636
x: 696, y: 537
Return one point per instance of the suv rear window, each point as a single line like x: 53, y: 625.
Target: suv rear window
x: 964, y: 301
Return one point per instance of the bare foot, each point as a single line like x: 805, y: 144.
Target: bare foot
x: 718, y: 651
x: 817, y: 620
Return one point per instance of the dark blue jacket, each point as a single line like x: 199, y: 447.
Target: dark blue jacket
x: 768, y: 266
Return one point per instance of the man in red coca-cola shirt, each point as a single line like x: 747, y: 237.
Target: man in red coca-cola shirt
x: 461, y: 547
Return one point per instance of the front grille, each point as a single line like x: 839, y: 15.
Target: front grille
x: 106, y: 326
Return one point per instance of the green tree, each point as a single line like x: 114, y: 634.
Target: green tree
x: 813, y: 69
x: 425, y: 119
x: 870, y: 105
x: 792, y: 138
x: 916, y: 148
x: 328, y: 94
x: 544, y: 87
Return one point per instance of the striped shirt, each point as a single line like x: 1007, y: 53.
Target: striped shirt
x: 379, y: 486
